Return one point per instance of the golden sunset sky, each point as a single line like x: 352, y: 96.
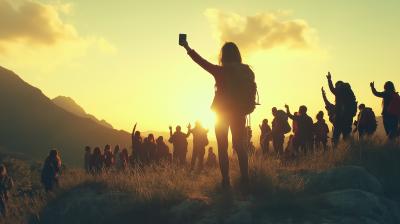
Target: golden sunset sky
x: 120, y: 60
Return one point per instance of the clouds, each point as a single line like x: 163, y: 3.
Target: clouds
x: 32, y: 33
x: 263, y: 31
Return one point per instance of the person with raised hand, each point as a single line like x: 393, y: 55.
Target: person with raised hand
x: 234, y: 99
x: 390, y: 108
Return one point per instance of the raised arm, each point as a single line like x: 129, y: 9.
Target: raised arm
x: 331, y: 87
x: 211, y: 68
x: 376, y: 93
x: 288, y: 112
x: 170, y: 131
x: 189, y: 130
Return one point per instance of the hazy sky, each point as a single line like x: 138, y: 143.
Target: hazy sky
x: 120, y: 60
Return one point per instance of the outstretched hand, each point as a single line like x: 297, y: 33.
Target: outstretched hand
x: 287, y: 106
x: 372, y: 84
x: 184, y: 44
x: 329, y: 76
x: 170, y: 127
x: 323, y: 91
x: 189, y: 126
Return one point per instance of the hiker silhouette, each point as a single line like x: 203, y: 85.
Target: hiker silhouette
x: 162, y: 150
x: 234, y: 99
x: 321, y: 131
x: 200, y: 141
x: 390, y: 108
x: 179, y: 141
x: 265, y: 129
x: 136, y: 147
x: 366, y: 121
x: 52, y: 165
x: 305, y: 128
x: 345, y: 109
x: 211, y: 158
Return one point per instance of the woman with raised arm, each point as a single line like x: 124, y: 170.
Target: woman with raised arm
x: 226, y: 116
x: 390, y: 114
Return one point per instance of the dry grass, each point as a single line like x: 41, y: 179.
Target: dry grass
x: 155, y: 189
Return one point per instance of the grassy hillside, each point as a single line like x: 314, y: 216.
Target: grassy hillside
x: 157, y: 188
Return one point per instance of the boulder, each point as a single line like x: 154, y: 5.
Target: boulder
x: 185, y: 210
x: 86, y: 205
x: 354, y: 177
x: 358, y: 203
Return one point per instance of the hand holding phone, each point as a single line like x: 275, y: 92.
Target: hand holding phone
x: 182, y: 37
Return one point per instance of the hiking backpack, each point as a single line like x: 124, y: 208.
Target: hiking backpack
x: 286, y: 127
x: 241, y: 87
x: 349, y: 107
x: 394, y: 106
x: 369, y: 118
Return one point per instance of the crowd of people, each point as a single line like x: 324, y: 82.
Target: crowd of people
x: 235, y: 98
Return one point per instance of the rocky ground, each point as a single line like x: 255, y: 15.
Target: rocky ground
x: 346, y: 195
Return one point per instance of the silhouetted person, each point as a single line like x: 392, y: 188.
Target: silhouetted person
x: 211, y: 158
x: 321, y: 131
x: 366, y: 121
x: 345, y: 109
x: 124, y: 160
x: 228, y: 114
x: 265, y: 129
x: 52, y: 165
x: 108, y: 156
x: 136, y: 147
x: 200, y: 141
x: 330, y: 108
x: 6, y: 183
x: 179, y: 140
x: 96, y: 160
x: 294, y: 141
x: 86, y: 158
x: 390, y: 115
x: 278, y: 137
x: 305, y: 128
x: 150, y: 148
x: 119, y: 158
x: 162, y: 150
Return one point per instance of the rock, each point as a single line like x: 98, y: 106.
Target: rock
x: 243, y: 217
x: 208, y: 221
x: 354, y: 177
x: 185, y: 210
x: 365, y: 204
x: 251, y: 198
x: 86, y: 205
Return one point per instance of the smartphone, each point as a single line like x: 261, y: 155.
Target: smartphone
x: 182, y: 37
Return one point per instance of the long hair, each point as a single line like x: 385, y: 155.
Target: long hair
x: 107, y: 148
x: 97, y: 151
x: 116, y: 150
x: 125, y: 152
x: 229, y: 53
x: 150, y: 138
x: 389, y: 86
x: 54, y: 155
x: 320, y: 115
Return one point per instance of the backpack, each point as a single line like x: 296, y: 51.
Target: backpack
x: 286, y: 127
x: 369, y: 118
x: 394, y: 106
x: 241, y: 88
x: 350, y: 105
x: 321, y: 130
